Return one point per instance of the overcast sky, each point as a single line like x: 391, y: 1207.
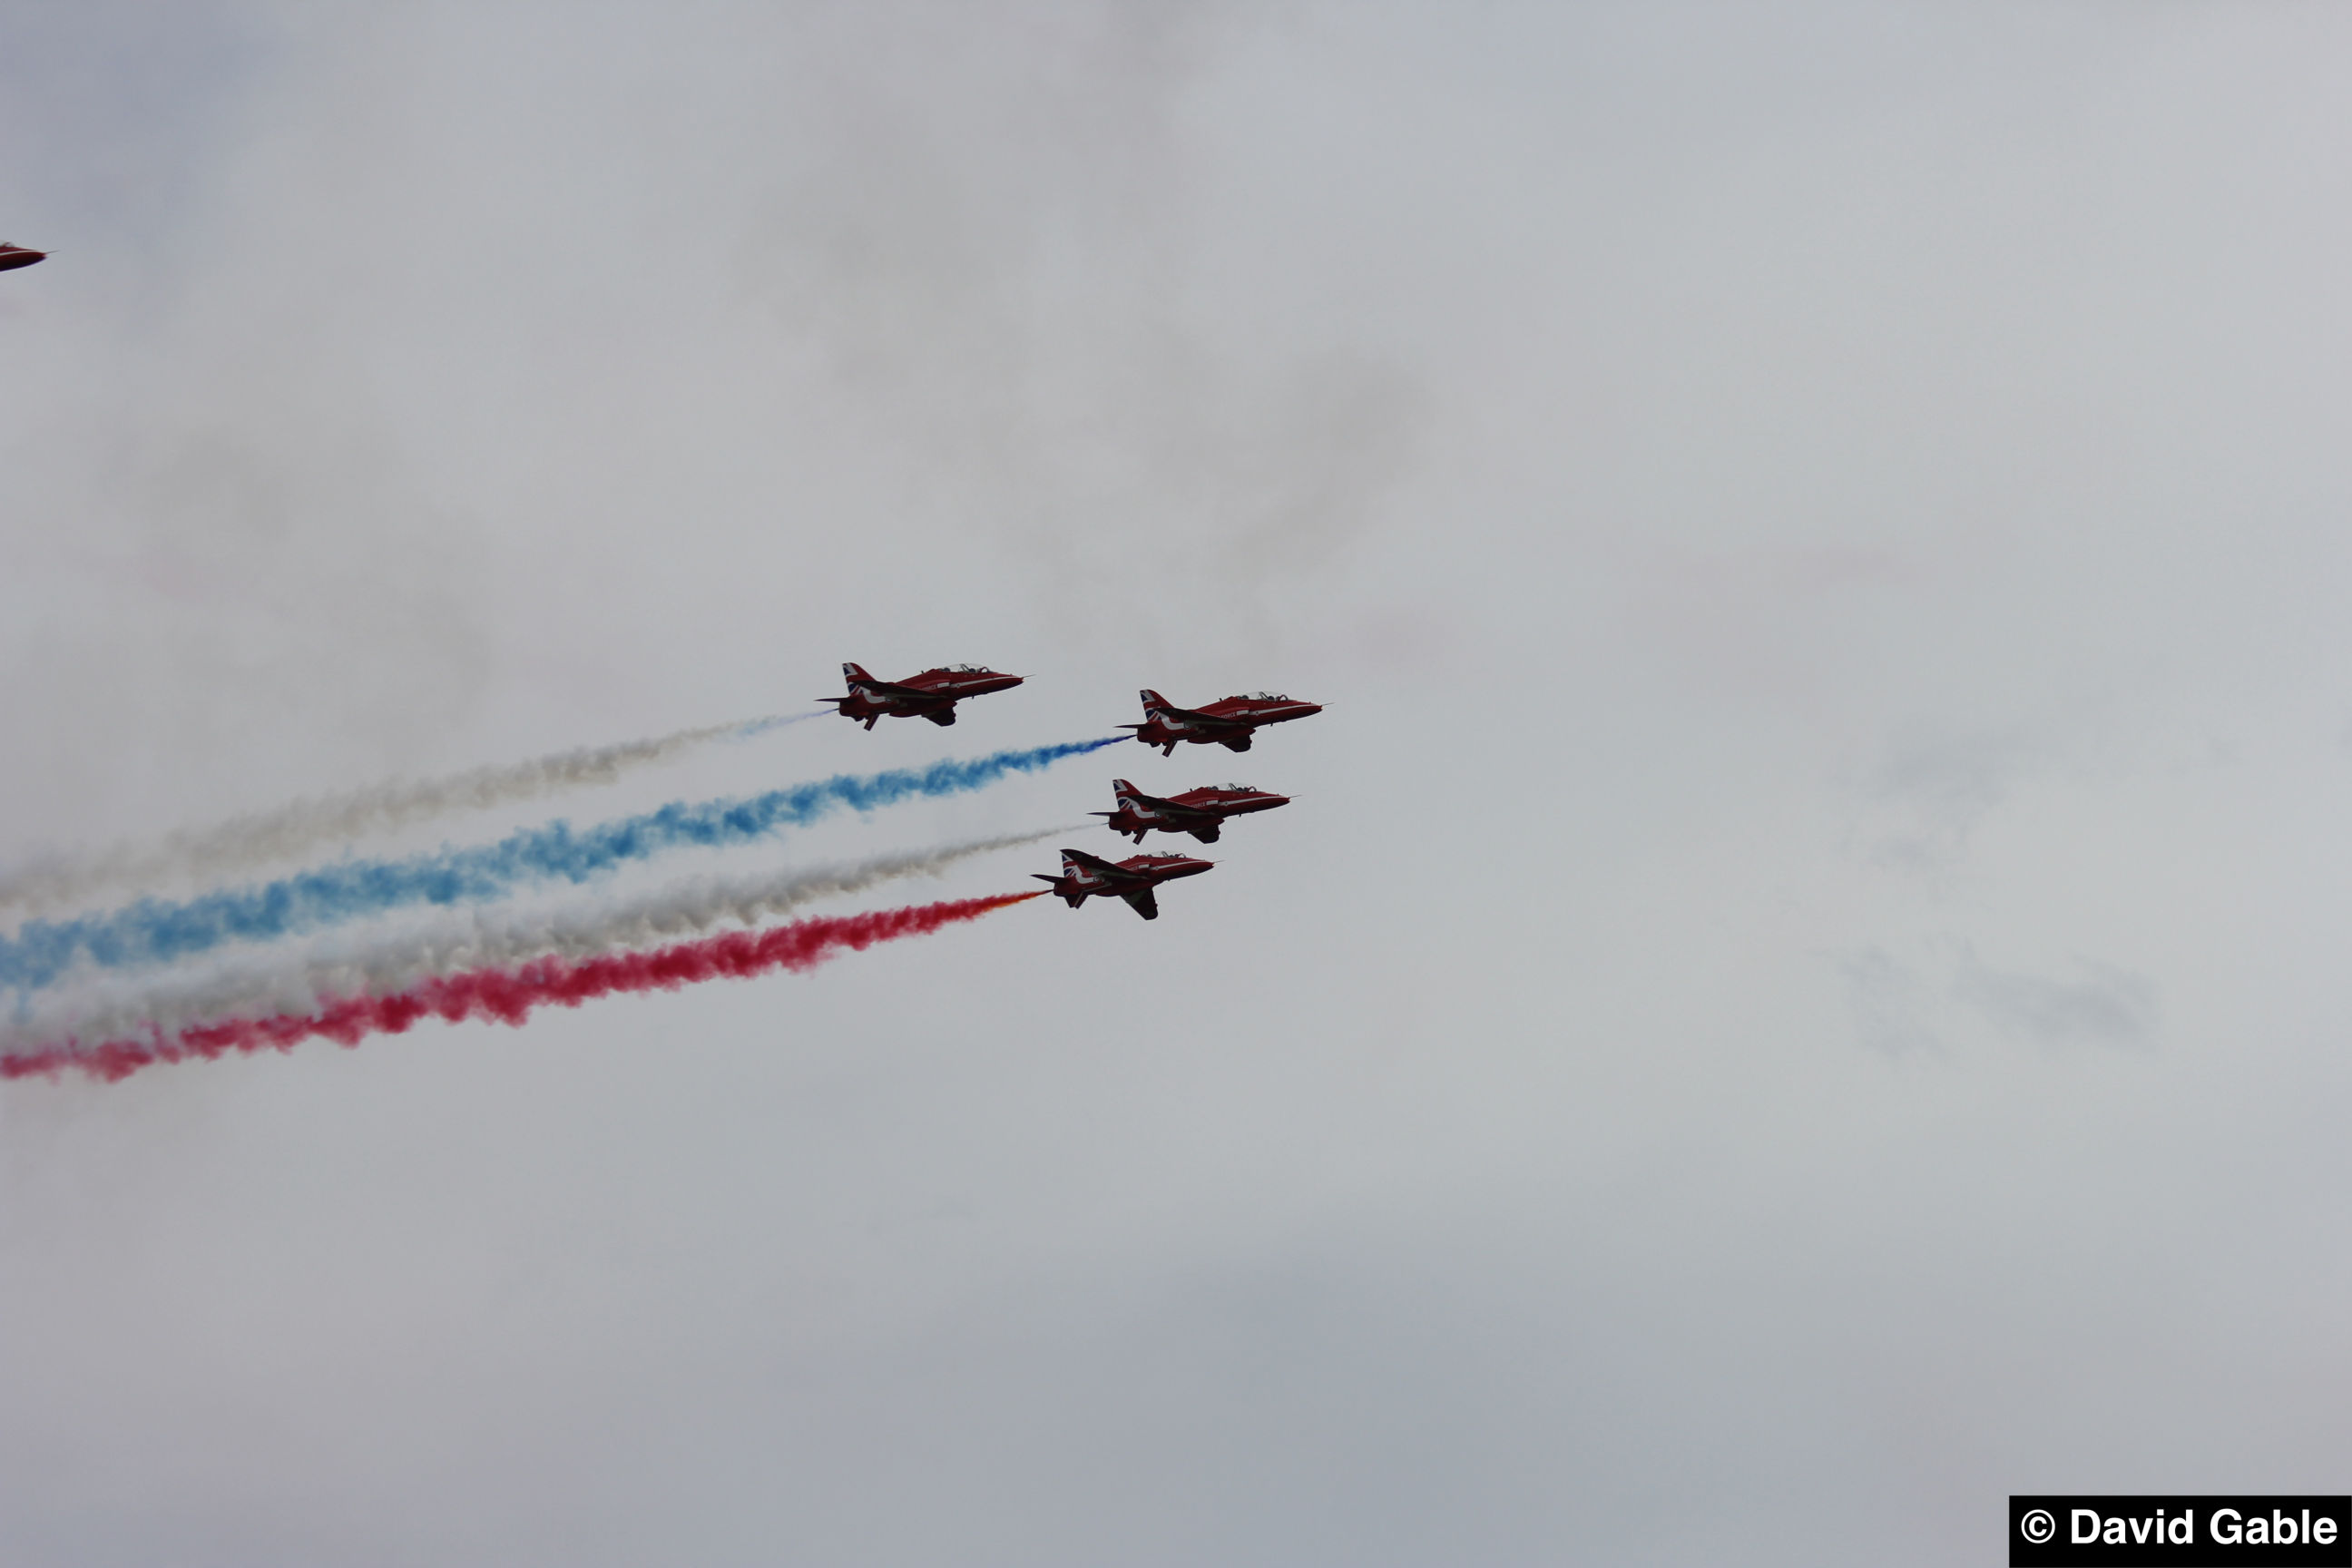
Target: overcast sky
x: 1802, y: 990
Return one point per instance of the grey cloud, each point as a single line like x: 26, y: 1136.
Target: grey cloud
x: 1012, y: 297
x: 92, y: 178
x: 1929, y: 794
x: 1460, y: 1174
x: 2100, y: 1005
x: 1891, y: 1005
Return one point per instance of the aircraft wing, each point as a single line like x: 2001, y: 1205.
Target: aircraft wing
x: 1142, y: 901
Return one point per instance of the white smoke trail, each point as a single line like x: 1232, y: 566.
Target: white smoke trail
x: 245, y: 842
x: 277, y: 981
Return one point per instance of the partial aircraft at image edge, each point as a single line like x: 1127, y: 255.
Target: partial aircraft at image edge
x: 14, y: 256
x: 931, y: 695
x: 1229, y: 721
x: 1199, y: 812
x: 1084, y: 874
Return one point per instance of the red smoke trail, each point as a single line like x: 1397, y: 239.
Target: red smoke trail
x: 509, y: 996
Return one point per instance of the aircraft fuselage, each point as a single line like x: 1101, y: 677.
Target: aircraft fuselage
x: 1199, y: 812
x: 931, y: 695
x: 1229, y: 721
x: 1133, y: 878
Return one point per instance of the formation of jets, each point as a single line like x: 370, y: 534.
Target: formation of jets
x: 1229, y: 721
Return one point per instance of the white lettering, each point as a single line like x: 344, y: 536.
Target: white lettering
x: 2323, y: 1531
x: 2226, y: 1534
x: 2078, y: 1533
x: 2183, y: 1531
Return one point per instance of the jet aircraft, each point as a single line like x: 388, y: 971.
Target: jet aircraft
x: 19, y: 256
x: 1228, y: 721
x: 1198, y: 812
x: 1084, y: 874
x: 931, y: 695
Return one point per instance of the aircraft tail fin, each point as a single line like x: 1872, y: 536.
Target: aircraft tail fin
x: 1061, y: 889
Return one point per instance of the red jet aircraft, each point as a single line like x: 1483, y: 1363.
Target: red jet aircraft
x: 1198, y: 812
x: 931, y: 695
x: 1084, y: 874
x: 1227, y: 721
x: 18, y: 255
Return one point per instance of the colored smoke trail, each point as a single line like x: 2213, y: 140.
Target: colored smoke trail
x: 291, y: 830
x: 510, y: 995
x: 277, y: 980
x: 154, y: 932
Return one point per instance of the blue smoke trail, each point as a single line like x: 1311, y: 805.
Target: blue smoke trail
x: 153, y: 931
